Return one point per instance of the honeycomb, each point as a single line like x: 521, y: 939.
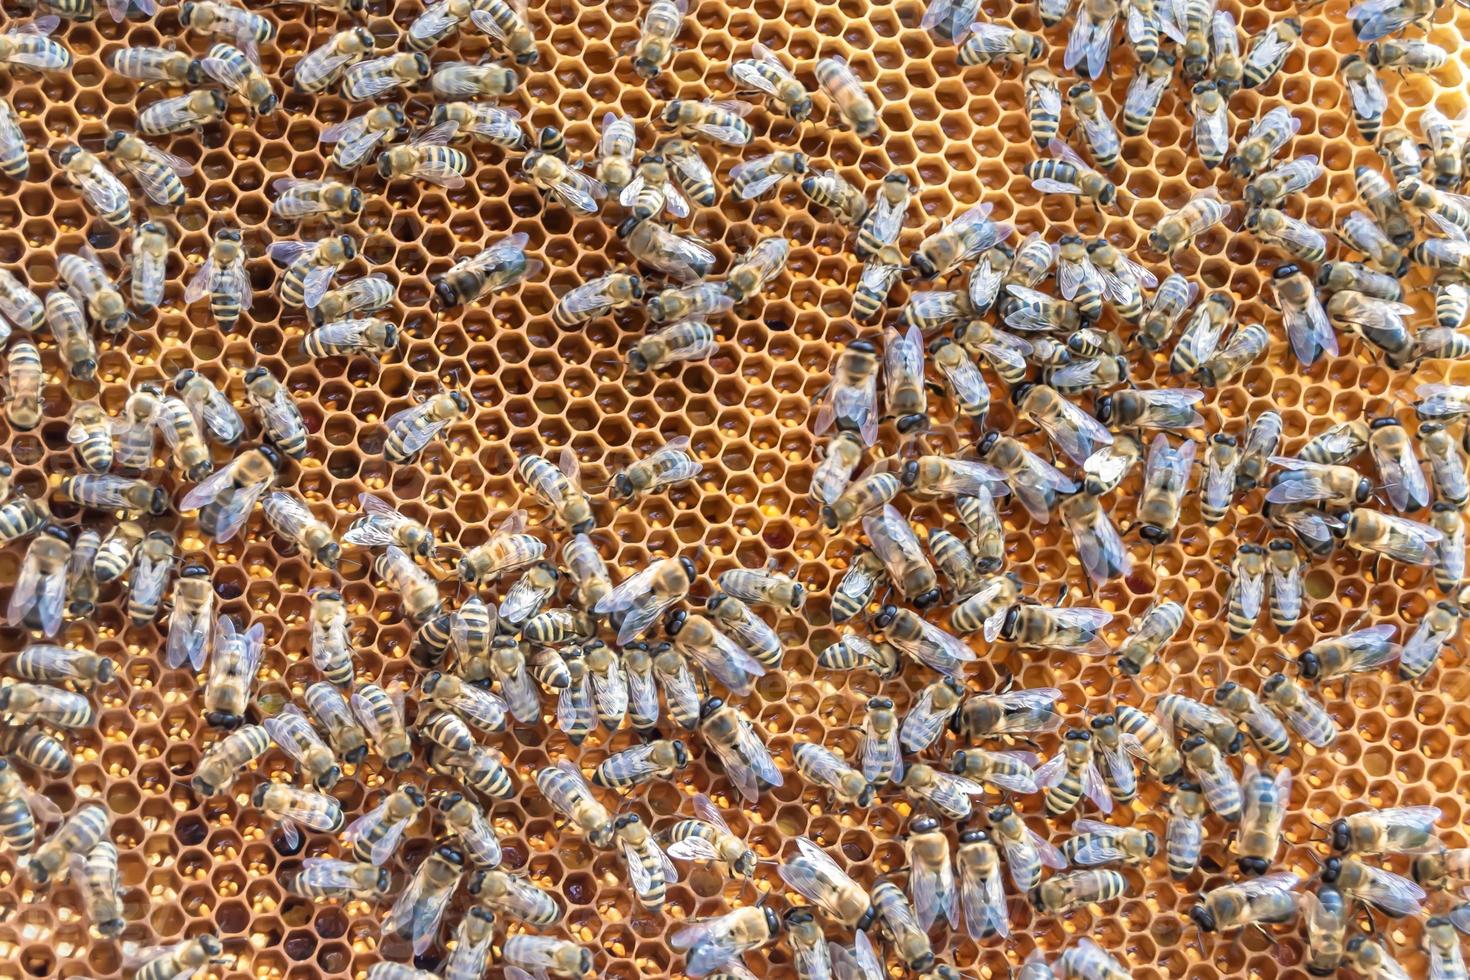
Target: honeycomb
x: 193, y: 866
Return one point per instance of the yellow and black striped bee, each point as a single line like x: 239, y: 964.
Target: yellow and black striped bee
x: 764, y: 72
x: 222, y: 277
x: 366, y: 80
x: 153, y: 64
x: 846, y: 93
x: 81, y: 832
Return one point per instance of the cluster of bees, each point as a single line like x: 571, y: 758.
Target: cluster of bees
x: 649, y: 653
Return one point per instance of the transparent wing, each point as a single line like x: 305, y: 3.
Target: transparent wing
x: 756, y: 187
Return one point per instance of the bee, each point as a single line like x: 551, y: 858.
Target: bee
x: 564, y: 788
x: 322, y: 66
x: 1085, y: 960
x: 419, y: 908
x: 425, y: 157
x: 1100, y: 843
x: 19, y: 304
x: 650, y: 871
x: 212, y: 408
x: 1157, y: 747
x: 854, y: 108
x: 1422, y: 648
x: 104, y: 491
x: 712, y: 943
x: 959, y: 241
x: 1450, y: 213
x: 1451, y: 309
x: 375, y: 835
x: 81, y: 832
x: 47, y: 662
x: 303, y: 198
x: 688, y: 341
x: 158, y: 172
x: 330, y: 708
x: 192, y: 955
x: 354, y: 139
x: 28, y: 46
x: 1146, y: 90
x: 280, y: 419
x: 223, y: 279
x: 182, y: 113
x: 69, y: 328
x: 989, y: 44
x: 1263, y: 141
x: 1182, y: 226
x: 229, y: 756
x: 291, y: 806
x: 1037, y: 484
x: 154, y: 64
x: 461, y: 80
x: 1247, y: 589
x: 326, y: 878
x: 1268, y: 51
x: 709, y: 838
x: 1097, y: 129
x: 1396, y: 830
x: 902, y: 925
x: 102, y: 888
x: 1071, y: 774
x: 331, y: 649
x: 22, y: 704
x: 245, y: 28
x: 438, y: 22
x: 505, y: 22
x: 473, y: 278
x: 1265, y: 801
x: 1365, y: 95
x: 233, y: 69
x: 827, y: 188
x: 1290, y: 234
x: 1260, y: 900
x: 413, y: 428
x: 1091, y: 39
x: 721, y: 122
x: 1064, y: 892
x: 22, y: 810
x: 91, y: 433
x: 1379, y: 19
x: 100, y: 189
x: 699, y: 301
x: 1388, y: 217
x: 1446, y: 145
x: 1075, y: 432
x: 878, y: 277
x: 1067, y: 173
x: 1407, y: 55
x: 766, y: 73
x: 756, y: 268
x: 1305, y: 715
x: 1043, y: 104
x: 1275, y: 185
x: 381, y: 716
x: 23, y: 407
x: 1396, y: 538
x: 818, y: 879
x: 1246, y: 346
x: 364, y: 81
x: 231, y: 672
x: 1392, y: 894
x: 513, y: 897
x: 689, y: 169
x: 1316, y: 531
x: 545, y: 955
x: 679, y: 257
x: 88, y: 285
x: 1397, y: 465
x: 40, y: 591
x: 597, y: 297
x: 744, y: 757
x: 1442, y: 254
x: 1099, y: 546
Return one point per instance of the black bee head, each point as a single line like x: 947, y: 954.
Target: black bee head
x: 885, y: 616
x: 258, y: 797
x: 1341, y: 838
x: 1285, y: 272
x: 1104, y: 409
x: 681, y: 753
x: 1020, y: 391
x: 270, y: 455
x: 773, y: 922
x: 1103, y: 721
x: 1153, y: 534
x: 1203, y: 918
x: 1008, y: 627
x: 1308, y: 665
x: 881, y: 704
x: 1253, y: 865
x: 710, y: 706
x: 1332, y: 867
x: 800, y: 916
x: 924, y: 825
x: 626, y: 820
x: 974, y: 837
x: 689, y: 570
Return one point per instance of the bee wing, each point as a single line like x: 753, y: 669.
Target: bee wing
x: 579, y: 191
x: 934, y: 894
x: 1096, y: 789
x: 882, y: 760
x: 693, y: 167
x: 702, y: 932
x: 810, y: 871
x: 228, y: 73
x: 1368, y: 98
x: 1270, y: 47
x: 747, y: 73
x: 1212, y: 132
x: 729, y: 134
x: 1076, y: 433
x: 1252, y: 591
x: 1418, y: 818
x: 630, y: 193
x: 1100, y: 549
x: 885, y: 219
x: 1099, y: 850
x: 1100, y: 135
x: 436, y: 20
x: 758, y: 755
x: 627, y: 592
x: 293, y: 514
x: 638, y: 876
x: 352, y: 150
x: 738, y: 772
x: 948, y: 647
x: 757, y: 187
x: 1303, y: 490
x: 693, y: 849
x: 189, y: 633
x: 1050, y: 772
x: 1219, y: 485
x: 1402, y: 477
x: 923, y: 724
x: 705, y: 809
x: 949, y: 20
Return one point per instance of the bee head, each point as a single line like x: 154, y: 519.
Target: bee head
x: 1103, y: 721
x: 681, y: 753
x: 924, y: 825
x: 114, y: 139
x: 1020, y: 391
x: 1332, y: 867
x: 1191, y: 743
x: 1104, y: 409
x: 710, y: 706
x: 690, y: 572
x: 1253, y: 865
x: 1150, y: 843
x: 414, y: 794
x: 1153, y: 534
x: 1285, y: 272
x: 58, y: 532
x: 773, y: 922
x: 211, y: 945
x: 451, y: 854
x: 885, y: 617
x: 626, y: 820
x: 1079, y: 735
x: 799, y: 916
x: 258, y: 797
x: 646, y: 68
x: 1340, y: 837
x: 881, y: 704
x: 270, y: 455
x: 1203, y: 918
x: 925, y: 268
x: 1008, y: 627
x: 974, y: 836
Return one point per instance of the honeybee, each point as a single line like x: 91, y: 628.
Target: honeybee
x: 224, y: 760
x: 1422, y: 648
x: 21, y: 704
x: 23, y: 365
x: 513, y: 897
x: 1268, y: 51
x: 231, y: 672
x: 682, y: 258
x: 1392, y: 894
x: 1012, y: 713
x: 420, y: 907
x: 959, y: 241
x: 28, y: 46
x: 1037, y: 484
x: 828, y: 189
x: 1393, y: 537
x: 1407, y: 55
x: 22, y: 810
x: 19, y: 304
x: 1365, y: 95
x: 1071, y: 774
x: 1100, y: 843
x: 81, y: 832
x: 545, y: 955
x: 1182, y: 226
x: 721, y: 122
x: 846, y: 93
x: 154, y: 64
x: 1064, y: 892
x: 1043, y: 104
x: 988, y: 44
x: 233, y: 69
x: 211, y: 407
x: 764, y: 72
x: 183, y: 113
x: 1026, y: 852
x: 290, y: 806
x: 100, y: 189
x: 1381, y: 18
x: 367, y: 80
x: 157, y: 171
x: 1275, y: 185
x: 699, y: 301
x: 564, y: 788
x: 597, y: 297
x: 69, y: 328
x: 1265, y: 801
x: 104, y: 491
x: 325, y: 878
x: 1305, y: 715
x: 1067, y: 173
x: 47, y: 662
x: 1099, y: 546
x: 760, y: 264
x: 192, y: 955
x: 715, y: 942
x: 322, y: 66
x: 1260, y: 900
x: 88, y: 285
x: 505, y: 22
x: 1263, y: 141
